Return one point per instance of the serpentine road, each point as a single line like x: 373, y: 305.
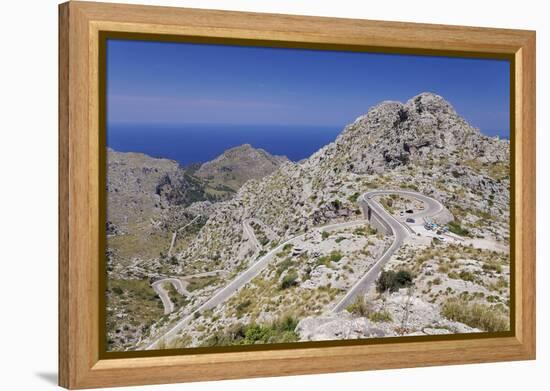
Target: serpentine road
x: 399, y: 230
x: 158, y: 286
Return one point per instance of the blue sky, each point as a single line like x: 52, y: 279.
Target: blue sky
x: 179, y: 83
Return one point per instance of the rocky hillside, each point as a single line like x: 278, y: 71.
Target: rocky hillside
x: 150, y: 197
x: 239, y: 164
x: 423, y: 145
x: 140, y: 187
x: 156, y: 207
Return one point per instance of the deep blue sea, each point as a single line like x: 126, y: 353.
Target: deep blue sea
x: 189, y: 144
x: 200, y: 143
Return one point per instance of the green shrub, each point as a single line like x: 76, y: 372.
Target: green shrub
x: 392, y: 281
x: 231, y: 336
x: 454, y: 275
x: 335, y: 256
x: 284, y: 265
x: 117, y: 290
x: 455, y: 228
x: 353, y: 197
x: 467, y: 276
x: 323, y: 261
x: 326, y: 260
x: 289, y: 280
x: 243, y: 305
x: 279, y: 331
x: 361, y: 231
x: 325, y: 235
x: 404, y: 278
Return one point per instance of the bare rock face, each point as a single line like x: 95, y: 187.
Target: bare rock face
x: 422, y: 145
x: 237, y: 165
x: 202, y: 208
x: 132, y: 180
x: 140, y: 187
x: 337, y: 327
x: 423, y: 129
x: 406, y: 316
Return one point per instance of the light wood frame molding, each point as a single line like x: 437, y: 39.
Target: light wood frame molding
x: 80, y: 364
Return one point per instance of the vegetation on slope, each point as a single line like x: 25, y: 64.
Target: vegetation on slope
x: 279, y: 331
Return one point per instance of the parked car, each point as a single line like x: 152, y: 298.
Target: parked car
x: 409, y: 220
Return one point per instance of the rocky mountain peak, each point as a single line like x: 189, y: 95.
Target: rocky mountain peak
x: 243, y: 147
x: 423, y: 111
x: 424, y: 128
x: 239, y: 164
x: 421, y: 145
x: 428, y: 102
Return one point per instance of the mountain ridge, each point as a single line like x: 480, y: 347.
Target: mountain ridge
x: 303, y: 194
x: 421, y: 145
x: 238, y: 164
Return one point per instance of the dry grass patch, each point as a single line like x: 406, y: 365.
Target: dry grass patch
x: 477, y: 315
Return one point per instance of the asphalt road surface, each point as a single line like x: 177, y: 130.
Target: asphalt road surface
x: 240, y: 281
x: 159, y: 288
x: 400, y: 232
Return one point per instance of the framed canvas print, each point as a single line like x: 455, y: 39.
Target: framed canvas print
x: 251, y: 195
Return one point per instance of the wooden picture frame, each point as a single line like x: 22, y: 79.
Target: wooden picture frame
x: 81, y: 363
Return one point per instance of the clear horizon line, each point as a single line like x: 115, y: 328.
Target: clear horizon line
x: 258, y: 124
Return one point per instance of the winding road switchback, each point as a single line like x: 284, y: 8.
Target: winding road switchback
x: 240, y: 281
x: 399, y: 230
